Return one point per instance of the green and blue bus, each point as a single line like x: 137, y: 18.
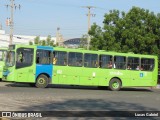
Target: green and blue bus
x: 43, y: 65
x: 3, y: 52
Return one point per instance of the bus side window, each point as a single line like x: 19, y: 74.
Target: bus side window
x: 54, y: 60
x: 60, y: 58
x: 96, y: 63
x: 86, y: 64
x: 90, y: 60
x: 75, y: 59
x: 119, y: 62
x: 133, y: 63
x: 43, y: 57
x: 105, y: 61
x: 20, y: 57
x: 147, y: 64
x: 129, y: 67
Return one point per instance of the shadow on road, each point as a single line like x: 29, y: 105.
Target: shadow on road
x: 79, y: 87
x: 90, y: 105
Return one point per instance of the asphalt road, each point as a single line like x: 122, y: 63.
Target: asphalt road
x: 22, y: 97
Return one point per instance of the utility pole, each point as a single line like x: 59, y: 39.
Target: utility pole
x: 89, y: 24
x: 59, y: 37
x: 12, y: 6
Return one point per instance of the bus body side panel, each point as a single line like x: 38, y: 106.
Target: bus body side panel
x: 1, y: 68
x: 155, y: 73
x: 2, y: 61
x: 9, y: 74
x: 44, y: 69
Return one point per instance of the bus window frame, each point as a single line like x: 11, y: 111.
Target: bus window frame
x: 57, y: 59
x: 114, y: 64
x: 106, y: 64
x: 51, y: 57
x: 16, y: 60
x: 76, y: 61
x: 91, y: 54
x: 153, y: 66
x: 138, y: 63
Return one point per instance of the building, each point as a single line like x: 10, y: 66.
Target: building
x: 19, y: 39
x: 72, y: 43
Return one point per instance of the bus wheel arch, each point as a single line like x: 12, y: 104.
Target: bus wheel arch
x: 115, y: 84
x: 42, y: 80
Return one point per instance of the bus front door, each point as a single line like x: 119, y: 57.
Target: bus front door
x: 24, y: 65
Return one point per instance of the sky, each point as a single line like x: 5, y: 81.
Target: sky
x: 42, y: 17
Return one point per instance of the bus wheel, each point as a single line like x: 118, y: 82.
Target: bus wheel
x: 115, y: 84
x: 42, y: 81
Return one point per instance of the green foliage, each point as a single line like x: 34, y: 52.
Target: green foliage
x: 51, y: 43
x: 136, y: 31
x: 43, y: 43
x: 30, y: 43
x: 83, y: 41
x: 47, y: 42
x: 97, y: 41
x: 36, y: 40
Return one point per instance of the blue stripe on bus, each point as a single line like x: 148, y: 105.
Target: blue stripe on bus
x: 6, y: 73
x: 45, y: 48
x: 44, y: 68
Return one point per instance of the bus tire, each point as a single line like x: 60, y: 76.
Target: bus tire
x: 115, y: 84
x: 42, y: 81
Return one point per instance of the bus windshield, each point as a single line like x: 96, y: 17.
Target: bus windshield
x: 10, y: 59
x: 2, y: 55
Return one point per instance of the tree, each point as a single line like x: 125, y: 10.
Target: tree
x: 36, y: 40
x: 83, y: 41
x: 112, y: 29
x: 136, y: 31
x: 51, y: 43
x: 30, y: 43
x: 43, y: 43
x: 97, y: 42
x: 48, y: 40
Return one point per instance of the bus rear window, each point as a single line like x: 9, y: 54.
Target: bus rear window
x: 147, y: 64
